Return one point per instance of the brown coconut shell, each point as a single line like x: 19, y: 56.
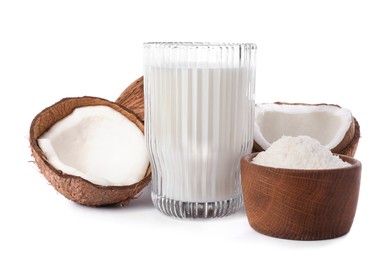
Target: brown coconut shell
x: 133, y: 98
x: 73, y: 187
x: 347, y: 146
x: 300, y: 204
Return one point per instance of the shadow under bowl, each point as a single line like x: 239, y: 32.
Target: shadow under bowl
x: 300, y: 204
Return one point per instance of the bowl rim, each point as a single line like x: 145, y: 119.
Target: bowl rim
x: 355, y: 164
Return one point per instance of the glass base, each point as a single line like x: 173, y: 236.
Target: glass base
x: 192, y: 210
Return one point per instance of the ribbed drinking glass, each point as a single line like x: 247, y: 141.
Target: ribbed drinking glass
x: 199, y: 114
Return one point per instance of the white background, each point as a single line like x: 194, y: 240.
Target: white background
x: 308, y: 51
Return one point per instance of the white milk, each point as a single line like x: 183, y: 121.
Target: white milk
x: 199, y: 122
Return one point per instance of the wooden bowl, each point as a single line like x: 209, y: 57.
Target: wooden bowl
x: 300, y: 204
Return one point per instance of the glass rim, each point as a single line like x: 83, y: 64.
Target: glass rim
x: 200, y: 44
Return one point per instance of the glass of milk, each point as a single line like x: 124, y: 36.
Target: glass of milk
x: 199, y: 114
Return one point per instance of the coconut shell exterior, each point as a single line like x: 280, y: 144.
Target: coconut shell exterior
x: 72, y: 187
x: 133, y: 98
x: 300, y: 204
x: 347, y: 146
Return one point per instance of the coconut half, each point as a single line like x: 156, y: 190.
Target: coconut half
x: 334, y: 127
x: 91, y: 150
x: 133, y: 97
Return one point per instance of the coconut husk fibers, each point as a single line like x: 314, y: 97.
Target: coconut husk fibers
x: 133, y: 98
x: 73, y: 187
x: 347, y: 146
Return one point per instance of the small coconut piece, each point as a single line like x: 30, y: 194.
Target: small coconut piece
x: 133, y: 97
x: 334, y: 127
x: 77, y: 157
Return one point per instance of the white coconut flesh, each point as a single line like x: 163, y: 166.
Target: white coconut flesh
x: 326, y: 123
x: 98, y: 144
